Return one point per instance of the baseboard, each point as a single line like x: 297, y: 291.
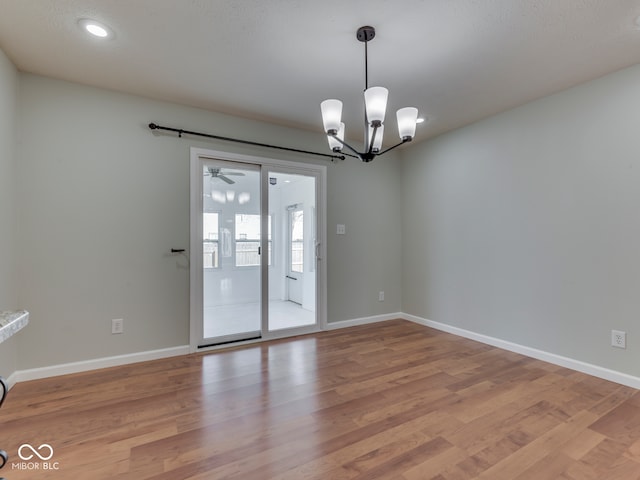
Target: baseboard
x: 580, y: 366
x: 94, y: 364
x: 12, y: 380
x: 364, y: 320
x: 84, y: 366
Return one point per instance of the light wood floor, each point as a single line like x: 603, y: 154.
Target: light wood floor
x: 393, y: 400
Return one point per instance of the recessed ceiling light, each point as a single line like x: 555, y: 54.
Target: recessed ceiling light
x: 419, y: 120
x: 95, y: 28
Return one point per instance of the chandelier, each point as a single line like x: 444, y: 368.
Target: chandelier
x: 375, y: 105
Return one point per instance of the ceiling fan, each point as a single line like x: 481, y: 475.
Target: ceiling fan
x: 214, y: 172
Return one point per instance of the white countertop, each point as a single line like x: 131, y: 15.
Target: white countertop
x: 12, y: 322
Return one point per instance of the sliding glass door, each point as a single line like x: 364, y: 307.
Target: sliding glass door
x: 256, y: 255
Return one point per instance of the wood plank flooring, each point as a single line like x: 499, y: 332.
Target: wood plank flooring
x: 393, y: 400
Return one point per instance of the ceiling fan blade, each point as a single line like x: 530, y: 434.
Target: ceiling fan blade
x: 240, y: 174
x: 225, y: 179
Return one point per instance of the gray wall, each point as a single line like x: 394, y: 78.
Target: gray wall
x: 366, y: 199
x: 525, y: 226
x: 8, y: 289
x: 102, y: 200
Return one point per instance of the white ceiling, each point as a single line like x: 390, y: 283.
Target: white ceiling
x: 276, y: 60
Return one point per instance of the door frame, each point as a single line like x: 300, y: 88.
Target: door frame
x: 196, y: 271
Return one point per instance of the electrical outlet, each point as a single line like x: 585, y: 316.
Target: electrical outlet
x: 381, y: 296
x: 618, y: 339
x: 117, y: 326
x: 341, y: 229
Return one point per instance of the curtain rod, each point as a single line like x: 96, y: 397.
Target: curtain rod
x: 181, y: 131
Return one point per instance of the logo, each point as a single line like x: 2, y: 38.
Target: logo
x: 45, y: 447
x: 35, y: 458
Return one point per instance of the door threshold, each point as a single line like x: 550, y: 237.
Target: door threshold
x: 240, y: 340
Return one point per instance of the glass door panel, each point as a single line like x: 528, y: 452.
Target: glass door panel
x: 292, y: 275
x: 231, y: 237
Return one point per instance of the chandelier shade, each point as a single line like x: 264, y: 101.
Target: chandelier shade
x: 375, y: 103
x: 407, y: 119
x: 377, y: 138
x: 331, y: 114
x: 335, y: 143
